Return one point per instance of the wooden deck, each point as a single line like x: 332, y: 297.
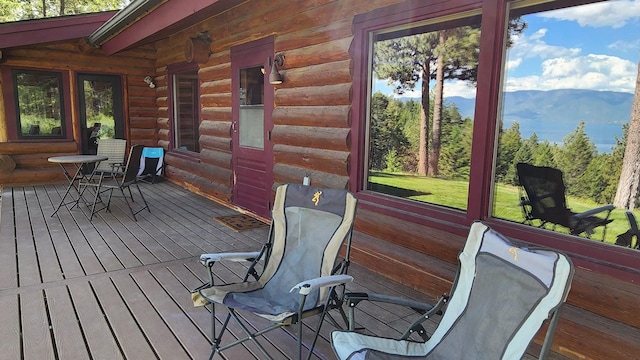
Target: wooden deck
x: 114, y: 288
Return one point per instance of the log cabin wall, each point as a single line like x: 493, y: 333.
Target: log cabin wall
x: 311, y: 136
x: 140, y: 109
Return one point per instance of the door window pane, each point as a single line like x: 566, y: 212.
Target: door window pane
x: 251, y: 120
x: 39, y: 101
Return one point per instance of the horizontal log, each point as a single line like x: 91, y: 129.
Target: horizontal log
x: 37, y: 160
x: 339, y: 29
x: 142, y: 134
x: 328, y: 95
x: 424, y: 273
x: 215, y: 100
x: 215, y: 87
x: 410, y: 235
x: 215, y: 143
x: 291, y: 174
x: 198, y: 171
x: 32, y: 176
x: 216, y: 113
x: 329, y: 52
x: 216, y: 158
x: 216, y: 128
x: 317, y: 75
x: 143, y: 111
x: 143, y: 122
x: 312, y: 137
x: 321, y: 116
x: 205, y: 187
x: 328, y: 161
x: 216, y: 72
x: 38, y: 147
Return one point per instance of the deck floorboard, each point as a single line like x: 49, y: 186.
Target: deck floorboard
x: 115, y: 288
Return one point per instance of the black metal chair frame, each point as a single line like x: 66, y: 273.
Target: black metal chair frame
x: 544, y: 200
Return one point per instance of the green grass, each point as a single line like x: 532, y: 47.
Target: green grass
x: 453, y: 194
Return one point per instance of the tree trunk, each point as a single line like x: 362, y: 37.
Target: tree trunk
x: 424, y: 122
x: 627, y: 192
x: 436, y: 131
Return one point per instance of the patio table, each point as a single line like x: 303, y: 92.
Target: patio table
x: 78, y: 161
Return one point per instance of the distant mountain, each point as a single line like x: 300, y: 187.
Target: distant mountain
x: 603, y: 113
x: 593, y: 107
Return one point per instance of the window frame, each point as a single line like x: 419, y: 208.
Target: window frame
x: 10, y: 92
x: 173, y: 70
x: 611, y: 260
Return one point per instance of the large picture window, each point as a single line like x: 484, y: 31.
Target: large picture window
x: 566, y: 123
x: 421, y: 100
x: 39, y: 104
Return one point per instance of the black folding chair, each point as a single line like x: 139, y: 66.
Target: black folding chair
x: 545, y: 202
x: 106, y: 184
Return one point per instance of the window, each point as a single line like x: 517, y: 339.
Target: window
x: 251, y: 117
x: 420, y: 104
x: 568, y: 87
x: 39, y: 104
x: 185, y: 108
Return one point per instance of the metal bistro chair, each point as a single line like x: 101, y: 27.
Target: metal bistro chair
x: 299, y: 277
x: 126, y: 181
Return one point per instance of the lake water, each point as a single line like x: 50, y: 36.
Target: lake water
x: 603, y: 135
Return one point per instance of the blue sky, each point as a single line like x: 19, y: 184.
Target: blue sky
x: 594, y: 47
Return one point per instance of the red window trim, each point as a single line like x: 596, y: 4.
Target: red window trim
x: 607, y: 259
x: 11, y: 116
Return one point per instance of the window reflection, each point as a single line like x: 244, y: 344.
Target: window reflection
x: 38, y: 99
x: 421, y: 105
x: 186, y: 107
x: 569, y: 83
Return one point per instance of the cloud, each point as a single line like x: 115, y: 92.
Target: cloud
x: 534, y: 46
x: 594, y: 72
x: 613, y: 14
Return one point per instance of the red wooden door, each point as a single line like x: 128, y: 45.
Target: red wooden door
x: 252, y: 107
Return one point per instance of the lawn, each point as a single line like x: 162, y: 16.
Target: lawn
x: 453, y: 194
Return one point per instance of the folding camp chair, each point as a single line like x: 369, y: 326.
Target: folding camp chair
x: 545, y: 201
x: 626, y: 238
x: 129, y: 178
x: 309, y: 226
x: 501, y: 295
x: 151, y: 164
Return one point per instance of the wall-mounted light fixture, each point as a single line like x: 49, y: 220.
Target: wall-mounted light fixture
x: 150, y: 82
x: 274, y: 77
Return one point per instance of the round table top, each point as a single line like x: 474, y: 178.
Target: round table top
x: 77, y: 159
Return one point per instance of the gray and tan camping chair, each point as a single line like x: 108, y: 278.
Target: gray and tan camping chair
x: 500, y: 297
x: 300, y: 274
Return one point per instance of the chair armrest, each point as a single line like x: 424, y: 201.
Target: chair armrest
x: 597, y: 210
x: 209, y: 259
x: 305, y: 287
x: 425, y: 310
x: 352, y: 299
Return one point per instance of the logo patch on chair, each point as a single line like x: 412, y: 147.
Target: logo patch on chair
x: 316, y: 197
x: 514, y: 251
